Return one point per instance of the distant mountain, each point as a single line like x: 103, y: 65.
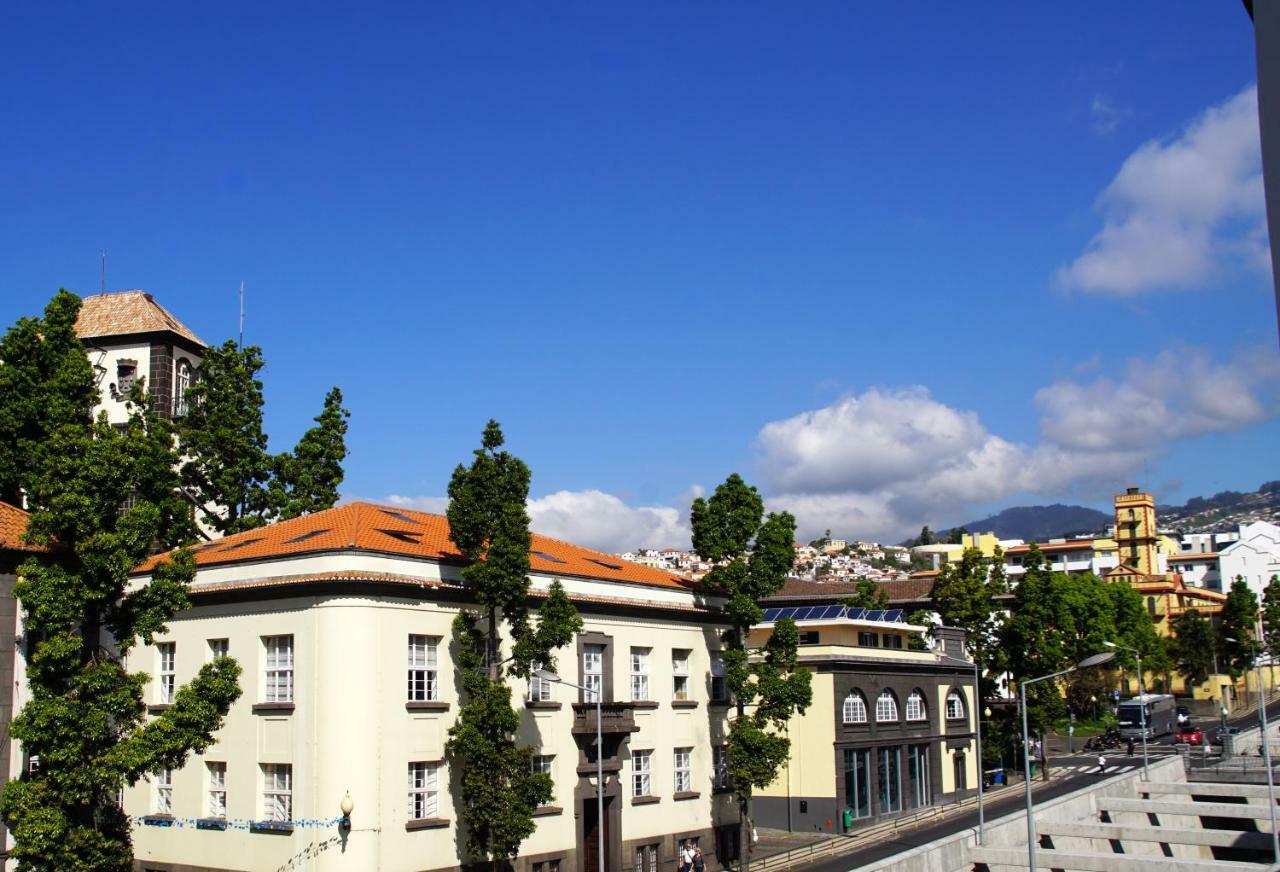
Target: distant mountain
x: 1039, y: 523
x: 1223, y: 511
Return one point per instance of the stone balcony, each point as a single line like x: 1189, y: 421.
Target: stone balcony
x: 615, y: 717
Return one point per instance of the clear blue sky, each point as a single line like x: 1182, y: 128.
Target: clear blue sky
x: 639, y: 234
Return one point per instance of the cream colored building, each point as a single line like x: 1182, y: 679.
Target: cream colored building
x: 341, y: 622
x: 890, y: 729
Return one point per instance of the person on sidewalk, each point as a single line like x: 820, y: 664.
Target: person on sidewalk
x: 1131, y: 746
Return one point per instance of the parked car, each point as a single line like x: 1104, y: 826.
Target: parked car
x: 1190, y: 735
x: 1184, y: 715
x: 1224, y: 731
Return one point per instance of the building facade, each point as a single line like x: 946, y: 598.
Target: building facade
x: 341, y: 621
x: 890, y: 730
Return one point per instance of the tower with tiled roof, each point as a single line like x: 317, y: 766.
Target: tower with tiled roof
x: 129, y: 336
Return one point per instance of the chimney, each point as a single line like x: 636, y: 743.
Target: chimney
x: 952, y: 639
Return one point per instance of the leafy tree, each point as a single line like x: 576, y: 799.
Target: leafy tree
x: 921, y: 618
x: 85, y: 716
x: 1038, y: 637
x: 1192, y: 647
x: 955, y: 536
x: 1271, y: 616
x: 489, y: 523
x: 1238, y: 624
x: 226, y: 464
x: 868, y: 595
x: 964, y: 595
x: 926, y: 537
x: 307, y: 479
x: 751, y: 556
x: 45, y: 383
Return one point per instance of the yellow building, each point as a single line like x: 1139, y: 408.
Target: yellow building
x: 890, y: 729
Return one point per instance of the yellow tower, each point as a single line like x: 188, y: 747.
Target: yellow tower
x: 1136, y: 537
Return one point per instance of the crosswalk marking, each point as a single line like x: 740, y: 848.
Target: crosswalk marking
x: 1083, y: 768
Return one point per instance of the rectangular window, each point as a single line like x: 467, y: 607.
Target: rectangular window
x: 219, y: 648
x: 868, y: 639
x: 719, y: 691
x: 683, y: 769
x: 639, y: 674
x: 277, y: 790
x: 919, y: 793
x: 720, y: 766
x: 217, y: 790
x: 890, y: 760
x: 164, y: 792
x: 891, y: 640
x: 422, y: 669
x: 680, y: 674
x: 647, y: 858
x: 809, y: 637
x: 424, y: 791
x: 640, y: 771
x: 167, y: 679
x: 543, y: 763
x: 546, y: 866
x: 592, y: 672
x: 279, y: 668
x: 857, y: 782
x: 539, y: 688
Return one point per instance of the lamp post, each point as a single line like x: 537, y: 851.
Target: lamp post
x: 1266, y: 753
x: 347, y: 806
x: 1095, y: 660
x: 1142, y: 704
x: 982, y: 774
x: 547, y: 675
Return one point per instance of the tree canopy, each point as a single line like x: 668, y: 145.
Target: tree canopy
x: 1237, y: 628
x: 1192, y: 646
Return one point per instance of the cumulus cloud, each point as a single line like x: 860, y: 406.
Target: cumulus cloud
x: 1180, y: 210
x: 884, y: 462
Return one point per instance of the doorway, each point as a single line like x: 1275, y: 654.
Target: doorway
x: 593, y: 832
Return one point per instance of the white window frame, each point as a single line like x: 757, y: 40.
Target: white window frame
x: 216, y: 797
x: 641, y: 773
x: 720, y: 766
x: 719, y: 687
x: 640, y: 674
x: 278, y: 667
x: 539, y: 688
x: 682, y: 766
x: 181, y: 384
x: 955, y: 706
x: 886, y: 707
x: 854, y: 710
x: 167, y: 676
x: 424, y: 790
x: 219, y: 648
x: 680, y: 674
x: 277, y: 792
x: 164, y: 792
x: 593, y: 672
x: 915, y: 706
x: 423, y: 668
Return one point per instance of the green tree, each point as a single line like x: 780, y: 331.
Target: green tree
x: 1192, y: 647
x: 964, y: 595
x: 752, y: 555
x: 1271, y: 616
x: 45, y: 382
x: 489, y: 523
x: 307, y: 479
x: 955, y: 536
x: 867, y: 595
x: 226, y: 464
x: 1238, y: 624
x: 85, y: 717
x: 1038, y: 637
x: 926, y: 537
x: 921, y: 618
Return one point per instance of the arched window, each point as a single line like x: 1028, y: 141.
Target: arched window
x: 1151, y: 606
x: 181, y: 382
x: 886, y: 707
x: 955, y: 706
x: 855, y: 708
x: 915, y: 706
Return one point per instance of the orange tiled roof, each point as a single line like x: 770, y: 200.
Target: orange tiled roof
x: 406, y: 533
x: 1208, y: 555
x: 124, y: 313
x: 13, y: 524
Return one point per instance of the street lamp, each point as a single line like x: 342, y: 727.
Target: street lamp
x: 982, y: 774
x: 1094, y: 660
x: 547, y: 675
x: 1266, y: 752
x: 1142, y: 704
x: 347, y: 806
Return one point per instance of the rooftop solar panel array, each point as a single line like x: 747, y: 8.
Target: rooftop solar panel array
x: 826, y: 613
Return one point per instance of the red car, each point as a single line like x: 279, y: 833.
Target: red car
x: 1191, y: 735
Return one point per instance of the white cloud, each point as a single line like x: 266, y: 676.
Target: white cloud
x: 434, y: 505
x: 883, y: 463
x: 1179, y: 211
x: 1106, y: 116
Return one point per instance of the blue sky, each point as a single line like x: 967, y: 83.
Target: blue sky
x: 898, y: 265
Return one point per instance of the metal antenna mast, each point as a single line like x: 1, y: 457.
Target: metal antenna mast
x: 242, y: 313
x: 103, y: 279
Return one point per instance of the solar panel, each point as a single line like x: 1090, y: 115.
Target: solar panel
x: 893, y: 615
x: 874, y: 615
x: 855, y: 614
x: 771, y: 615
x: 831, y: 612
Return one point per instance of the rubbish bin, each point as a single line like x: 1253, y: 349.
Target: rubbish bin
x: 847, y: 817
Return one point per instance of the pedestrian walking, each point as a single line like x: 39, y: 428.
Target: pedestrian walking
x: 699, y: 865
x: 1131, y: 746
x: 686, y: 857
x: 1102, y: 763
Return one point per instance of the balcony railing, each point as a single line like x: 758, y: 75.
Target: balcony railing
x: 615, y: 717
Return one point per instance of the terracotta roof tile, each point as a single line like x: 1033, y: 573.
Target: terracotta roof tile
x: 124, y: 313
x: 13, y: 524
x: 407, y: 533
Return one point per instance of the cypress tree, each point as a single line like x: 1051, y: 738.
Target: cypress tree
x: 752, y: 555
x: 489, y: 523
x: 307, y: 479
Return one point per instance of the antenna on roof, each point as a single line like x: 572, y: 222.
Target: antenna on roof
x: 103, y: 280
x: 242, y: 313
